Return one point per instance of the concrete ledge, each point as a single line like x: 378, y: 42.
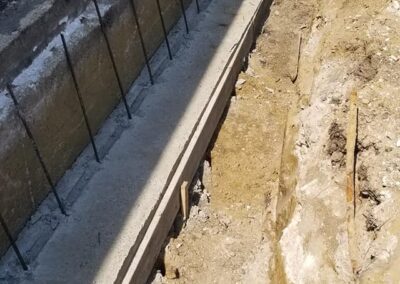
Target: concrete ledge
x: 150, y: 247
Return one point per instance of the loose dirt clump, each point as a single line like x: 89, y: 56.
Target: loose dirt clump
x: 367, y: 69
x: 337, y: 144
x: 366, y: 191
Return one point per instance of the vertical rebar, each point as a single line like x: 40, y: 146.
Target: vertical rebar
x: 13, y: 244
x: 198, y: 6
x: 111, y: 54
x: 146, y: 58
x: 164, y: 29
x: 78, y: 92
x: 36, y: 149
x: 184, y: 16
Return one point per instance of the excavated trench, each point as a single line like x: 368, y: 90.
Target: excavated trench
x: 300, y: 183
x: 271, y: 201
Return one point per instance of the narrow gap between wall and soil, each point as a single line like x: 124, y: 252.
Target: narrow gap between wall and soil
x: 234, y: 193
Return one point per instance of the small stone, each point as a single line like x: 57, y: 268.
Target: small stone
x: 270, y: 90
x: 365, y: 194
x: 158, y: 278
x: 337, y: 156
x: 250, y: 72
x: 172, y: 273
x: 388, y: 149
x: 365, y: 101
x: 204, y: 198
x: 240, y: 83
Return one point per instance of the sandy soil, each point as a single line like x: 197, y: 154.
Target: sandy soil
x: 353, y: 47
x: 269, y: 205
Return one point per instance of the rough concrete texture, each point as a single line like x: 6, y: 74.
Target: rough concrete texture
x: 48, y: 99
x: 107, y: 222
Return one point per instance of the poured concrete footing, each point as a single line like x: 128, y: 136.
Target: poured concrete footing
x: 109, y: 233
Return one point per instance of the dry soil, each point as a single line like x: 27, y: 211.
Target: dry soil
x: 269, y: 203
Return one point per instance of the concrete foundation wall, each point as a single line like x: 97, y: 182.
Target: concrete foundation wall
x: 49, y: 102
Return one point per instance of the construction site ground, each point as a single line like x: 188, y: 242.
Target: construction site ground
x: 269, y: 203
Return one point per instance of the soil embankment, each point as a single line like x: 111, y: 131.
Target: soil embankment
x: 270, y: 204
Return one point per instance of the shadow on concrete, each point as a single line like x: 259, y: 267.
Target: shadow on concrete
x: 85, y: 244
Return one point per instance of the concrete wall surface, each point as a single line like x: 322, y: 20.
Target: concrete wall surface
x: 45, y: 91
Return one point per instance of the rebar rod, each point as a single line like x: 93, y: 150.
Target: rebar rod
x: 146, y: 58
x: 36, y: 149
x: 79, y: 95
x: 184, y: 16
x: 13, y: 244
x: 164, y: 29
x: 111, y: 54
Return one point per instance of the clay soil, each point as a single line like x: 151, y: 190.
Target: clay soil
x: 268, y: 204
